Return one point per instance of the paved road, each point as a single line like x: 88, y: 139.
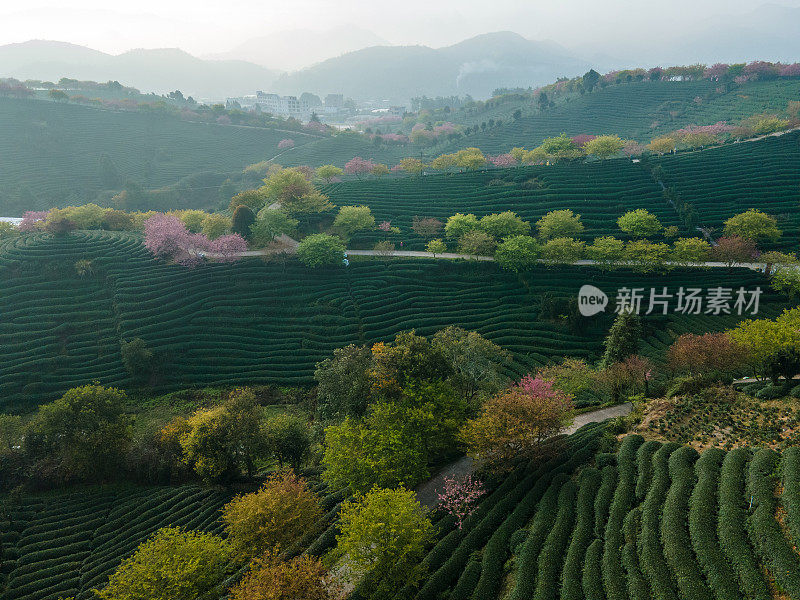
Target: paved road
x: 427, y: 491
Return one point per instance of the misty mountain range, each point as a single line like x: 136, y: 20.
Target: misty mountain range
x: 361, y: 65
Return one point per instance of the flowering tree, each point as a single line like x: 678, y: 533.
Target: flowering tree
x: 514, y: 423
x: 167, y: 237
x: 792, y: 70
x: 358, y: 166
x: 285, y: 144
x: 33, y: 220
x: 732, y: 249
x: 717, y: 71
x: 502, y: 160
x: 228, y: 247
x: 459, y: 496
x: 710, y: 353
x: 581, y: 140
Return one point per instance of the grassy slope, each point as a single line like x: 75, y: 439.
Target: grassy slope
x: 256, y: 322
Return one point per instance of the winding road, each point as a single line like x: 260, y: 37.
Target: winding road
x: 427, y: 491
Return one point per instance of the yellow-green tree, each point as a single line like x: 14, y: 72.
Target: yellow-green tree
x: 215, y: 225
x: 274, y: 517
x: 385, y: 532
x: 604, y: 146
x: 171, y: 565
x: 269, y: 578
x: 753, y: 225
x: 559, y: 223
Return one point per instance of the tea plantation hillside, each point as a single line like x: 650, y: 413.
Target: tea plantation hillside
x: 65, y: 544
x: 51, y: 154
x: 255, y: 322
x: 652, y: 521
x: 638, y: 111
x: 600, y: 192
x: 721, y: 182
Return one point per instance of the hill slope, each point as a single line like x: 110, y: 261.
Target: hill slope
x: 256, y: 322
x: 50, y: 153
x: 160, y: 70
x: 475, y: 66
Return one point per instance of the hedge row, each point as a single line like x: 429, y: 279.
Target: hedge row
x: 731, y: 526
x: 614, y: 580
x: 674, y: 532
x: 589, y: 484
x: 766, y: 535
x: 702, y: 512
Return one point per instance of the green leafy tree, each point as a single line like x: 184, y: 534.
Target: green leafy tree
x: 590, y: 80
x: 171, y: 565
x: 137, y: 358
x: 252, y: 199
x: 690, y: 250
x: 645, y: 256
x: 288, y: 439
x: 243, y: 219
x: 475, y: 362
x: 623, y: 338
x: 215, y: 225
x: 85, y: 434
x: 460, y: 224
x: 381, y: 450
x: 193, y: 219
x: 559, y: 224
x: 270, y: 224
x: 328, y: 172
x: 385, y: 532
x: 274, y: 517
x: 560, y: 147
x: 504, y: 224
x: 7, y: 230
x: 351, y: 219
x: 563, y: 250
x: 476, y: 243
x: 607, y: 251
x: 604, y: 146
x: 269, y: 578
x: 295, y: 193
x: 639, y: 223
x: 321, y: 250
x: 517, y: 253
x: 222, y: 441
x: 436, y: 246
x: 343, y: 382
x: 753, y: 225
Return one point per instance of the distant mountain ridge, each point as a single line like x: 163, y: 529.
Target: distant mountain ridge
x: 474, y: 66
x: 159, y: 70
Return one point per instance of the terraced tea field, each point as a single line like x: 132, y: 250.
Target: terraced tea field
x: 652, y: 521
x: 58, y: 545
x: 50, y: 153
x: 638, y: 111
x: 600, y: 192
x: 721, y: 182
x: 256, y: 322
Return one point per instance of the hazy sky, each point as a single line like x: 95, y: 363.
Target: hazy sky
x: 208, y: 27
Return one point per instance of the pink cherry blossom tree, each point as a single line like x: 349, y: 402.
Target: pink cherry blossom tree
x: 459, y: 497
x: 285, y: 144
x: 228, y: 247
x: 358, y: 166
x: 502, y: 160
x: 33, y: 220
x: 581, y: 140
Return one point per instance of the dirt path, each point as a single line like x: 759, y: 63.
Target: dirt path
x: 426, y: 492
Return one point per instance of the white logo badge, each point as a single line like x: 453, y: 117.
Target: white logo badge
x: 591, y: 300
